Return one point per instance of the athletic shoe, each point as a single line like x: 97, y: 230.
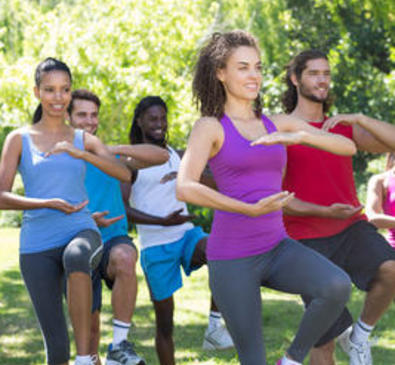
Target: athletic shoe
x: 344, y: 340
x: 123, y: 354
x: 360, y: 354
x: 91, y: 361
x: 217, y: 338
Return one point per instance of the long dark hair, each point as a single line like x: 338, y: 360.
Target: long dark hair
x: 296, y: 67
x: 48, y: 65
x: 207, y: 90
x: 135, y: 133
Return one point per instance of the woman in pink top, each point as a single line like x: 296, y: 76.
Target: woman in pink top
x: 248, y: 246
x: 380, y: 201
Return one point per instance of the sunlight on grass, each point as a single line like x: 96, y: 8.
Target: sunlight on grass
x: 21, y: 343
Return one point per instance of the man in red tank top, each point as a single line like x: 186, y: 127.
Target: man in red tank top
x: 326, y: 214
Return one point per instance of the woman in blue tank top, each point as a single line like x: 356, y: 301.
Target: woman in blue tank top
x: 58, y: 235
x: 248, y: 246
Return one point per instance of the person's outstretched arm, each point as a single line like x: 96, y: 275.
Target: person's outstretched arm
x: 140, y: 156
x: 369, y: 134
x: 97, y: 154
x: 10, y: 157
x: 292, y: 130
x: 336, y: 211
x: 204, y: 143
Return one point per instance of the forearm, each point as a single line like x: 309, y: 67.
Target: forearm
x: 199, y: 194
x: 145, y: 154
x: 11, y: 201
x: 381, y: 220
x: 299, y: 207
x: 330, y: 142
x: 109, y: 165
x: 136, y: 216
x: 383, y: 131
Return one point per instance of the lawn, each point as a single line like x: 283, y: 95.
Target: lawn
x: 20, y: 338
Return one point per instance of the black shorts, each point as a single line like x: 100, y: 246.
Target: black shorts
x: 101, y: 271
x: 359, y: 250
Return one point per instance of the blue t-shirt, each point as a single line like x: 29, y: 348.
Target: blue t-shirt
x: 56, y: 176
x: 104, y: 193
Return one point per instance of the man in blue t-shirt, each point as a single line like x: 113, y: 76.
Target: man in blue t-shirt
x: 118, y: 265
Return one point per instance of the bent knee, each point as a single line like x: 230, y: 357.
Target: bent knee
x: 386, y: 272
x: 123, y: 261
x: 338, y: 288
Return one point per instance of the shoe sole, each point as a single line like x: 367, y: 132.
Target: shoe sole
x: 113, y: 362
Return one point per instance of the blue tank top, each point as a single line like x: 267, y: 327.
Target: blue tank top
x: 248, y: 174
x: 57, y: 176
x: 104, y: 193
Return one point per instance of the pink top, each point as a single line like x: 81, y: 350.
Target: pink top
x: 389, y: 207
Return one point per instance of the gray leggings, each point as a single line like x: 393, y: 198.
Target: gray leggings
x: 290, y: 267
x: 43, y: 273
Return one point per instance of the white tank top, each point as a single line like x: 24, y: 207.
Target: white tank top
x: 153, y: 197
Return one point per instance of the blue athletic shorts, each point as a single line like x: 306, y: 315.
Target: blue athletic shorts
x: 161, y: 264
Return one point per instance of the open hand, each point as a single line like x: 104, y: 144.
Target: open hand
x: 270, y: 204
x: 343, y: 211
x: 341, y: 118
x: 101, y: 221
x: 67, y: 147
x: 286, y: 138
x: 175, y: 218
x: 64, y: 206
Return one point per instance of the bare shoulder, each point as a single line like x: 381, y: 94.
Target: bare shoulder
x: 15, y: 136
x: 91, y: 141
x: 208, y: 126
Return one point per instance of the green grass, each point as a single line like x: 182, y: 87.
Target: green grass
x: 20, y: 338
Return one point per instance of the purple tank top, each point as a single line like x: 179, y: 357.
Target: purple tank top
x: 389, y: 207
x: 248, y: 174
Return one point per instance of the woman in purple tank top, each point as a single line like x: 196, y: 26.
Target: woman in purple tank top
x: 248, y: 246
x: 380, y: 201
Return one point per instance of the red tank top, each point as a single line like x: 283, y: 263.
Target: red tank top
x: 322, y: 178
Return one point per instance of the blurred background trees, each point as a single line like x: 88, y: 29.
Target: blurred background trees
x: 126, y: 49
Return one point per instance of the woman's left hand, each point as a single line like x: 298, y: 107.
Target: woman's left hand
x: 286, y: 138
x: 67, y: 147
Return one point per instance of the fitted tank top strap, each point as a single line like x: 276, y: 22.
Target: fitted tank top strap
x: 269, y: 125
x: 79, y: 139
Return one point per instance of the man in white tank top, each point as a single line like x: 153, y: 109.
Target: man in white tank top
x: 168, y: 239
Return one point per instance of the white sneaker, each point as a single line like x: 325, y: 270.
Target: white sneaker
x: 92, y: 361
x: 217, y: 338
x: 344, y: 340
x: 360, y: 354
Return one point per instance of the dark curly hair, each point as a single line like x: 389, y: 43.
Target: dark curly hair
x: 135, y: 132
x: 208, y: 91
x: 297, y: 66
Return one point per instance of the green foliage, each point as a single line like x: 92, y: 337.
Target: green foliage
x: 126, y: 49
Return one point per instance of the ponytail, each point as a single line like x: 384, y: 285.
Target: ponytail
x: 38, y: 114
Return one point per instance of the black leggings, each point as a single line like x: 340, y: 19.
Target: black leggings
x: 43, y: 273
x: 290, y: 267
